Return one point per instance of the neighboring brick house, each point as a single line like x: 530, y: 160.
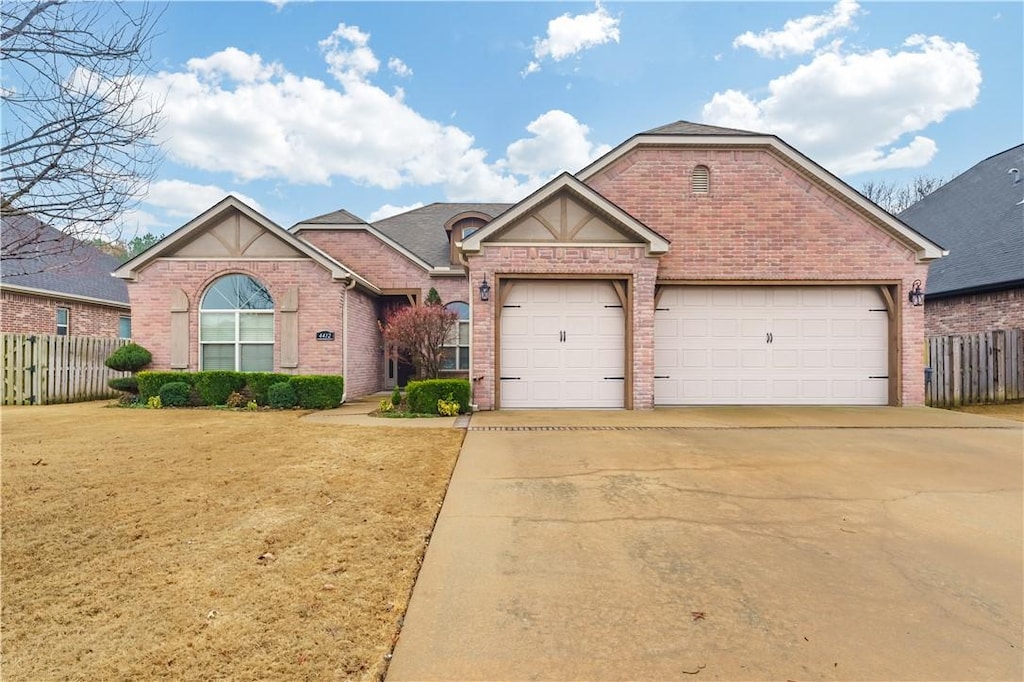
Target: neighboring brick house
x: 66, y: 291
x: 979, y: 217
x: 692, y: 264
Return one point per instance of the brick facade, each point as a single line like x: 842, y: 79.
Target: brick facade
x: 763, y: 221
x: 321, y: 307
x: 380, y: 264
x: 23, y: 313
x: 974, y: 313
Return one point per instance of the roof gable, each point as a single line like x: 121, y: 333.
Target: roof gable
x: 231, y: 229
x: 566, y: 211
x: 684, y: 133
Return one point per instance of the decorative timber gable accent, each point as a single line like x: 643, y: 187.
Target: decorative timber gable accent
x: 565, y: 211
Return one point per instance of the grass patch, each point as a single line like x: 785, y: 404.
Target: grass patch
x: 132, y: 542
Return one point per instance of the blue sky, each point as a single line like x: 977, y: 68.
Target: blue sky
x: 301, y: 108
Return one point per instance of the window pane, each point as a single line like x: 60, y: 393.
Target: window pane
x: 124, y: 327
x: 217, y: 327
x: 257, y: 357
x: 448, y: 358
x: 461, y: 308
x: 256, y: 327
x: 463, y: 333
x: 237, y: 292
x: 218, y: 356
x: 463, y: 358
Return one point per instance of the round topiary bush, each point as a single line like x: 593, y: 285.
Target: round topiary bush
x: 281, y: 395
x: 130, y: 357
x: 125, y: 384
x: 174, y: 394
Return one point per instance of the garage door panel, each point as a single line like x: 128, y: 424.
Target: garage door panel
x: 781, y: 344
x: 562, y: 341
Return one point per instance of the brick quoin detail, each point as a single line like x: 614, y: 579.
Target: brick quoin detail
x: 763, y: 220
x: 974, y: 313
x: 22, y: 313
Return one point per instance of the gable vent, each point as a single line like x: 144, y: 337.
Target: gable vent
x: 700, y: 180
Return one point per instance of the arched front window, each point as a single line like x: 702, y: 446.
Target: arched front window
x: 456, y: 351
x: 236, y: 326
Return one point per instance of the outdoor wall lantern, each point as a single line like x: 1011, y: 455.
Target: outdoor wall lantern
x: 485, y: 290
x: 916, y: 296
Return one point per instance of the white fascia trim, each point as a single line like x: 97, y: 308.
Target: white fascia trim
x: 370, y: 229
x: 61, y: 295
x: 926, y: 249
x: 655, y: 243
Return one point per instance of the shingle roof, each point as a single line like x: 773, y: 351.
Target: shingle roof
x: 979, y: 217
x: 80, y: 270
x: 688, y: 128
x: 421, y: 230
x: 339, y: 217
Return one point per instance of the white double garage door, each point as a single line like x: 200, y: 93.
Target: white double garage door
x: 563, y: 345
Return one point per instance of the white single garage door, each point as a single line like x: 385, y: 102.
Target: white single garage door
x: 784, y: 345
x: 562, y: 345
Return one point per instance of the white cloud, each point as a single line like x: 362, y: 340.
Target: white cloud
x: 388, y: 210
x: 569, y: 35
x: 183, y: 199
x: 399, y: 68
x: 237, y: 65
x: 800, y: 36
x: 559, y: 143
x: 233, y: 113
x: 852, y: 112
x: 348, y: 54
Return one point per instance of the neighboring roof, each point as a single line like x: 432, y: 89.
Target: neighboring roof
x: 685, y: 133
x: 979, y: 217
x: 77, y: 271
x: 187, y: 231
x: 688, y: 128
x: 339, y: 217
x: 656, y: 244
x: 422, y: 232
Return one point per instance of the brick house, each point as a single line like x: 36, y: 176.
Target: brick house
x: 691, y: 264
x: 65, y: 291
x: 979, y: 217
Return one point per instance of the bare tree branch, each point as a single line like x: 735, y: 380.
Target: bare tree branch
x: 78, y: 148
x: 896, y: 198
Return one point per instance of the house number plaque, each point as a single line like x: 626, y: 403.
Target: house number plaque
x: 325, y: 336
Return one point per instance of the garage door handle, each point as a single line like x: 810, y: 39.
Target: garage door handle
x: 615, y: 378
x: 885, y: 377
x: 768, y: 338
x: 662, y: 376
x: 511, y: 378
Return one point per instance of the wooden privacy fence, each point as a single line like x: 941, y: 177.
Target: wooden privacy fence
x: 40, y: 369
x: 975, y: 368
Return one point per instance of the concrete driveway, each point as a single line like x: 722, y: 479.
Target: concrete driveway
x: 728, y: 543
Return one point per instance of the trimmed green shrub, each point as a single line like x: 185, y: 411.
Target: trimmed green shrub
x: 281, y: 395
x: 150, y: 382
x: 396, y: 397
x: 125, y: 384
x: 130, y: 357
x: 174, y: 394
x: 422, y: 396
x: 257, y: 383
x: 215, y: 386
x: 318, y: 391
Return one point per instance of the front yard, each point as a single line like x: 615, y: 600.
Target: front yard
x: 209, y: 544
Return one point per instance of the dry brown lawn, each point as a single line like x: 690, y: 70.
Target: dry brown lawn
x: 132, y: 542
x: 1014, y: 410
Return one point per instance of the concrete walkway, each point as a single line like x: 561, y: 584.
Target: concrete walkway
x: 725, y: 543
